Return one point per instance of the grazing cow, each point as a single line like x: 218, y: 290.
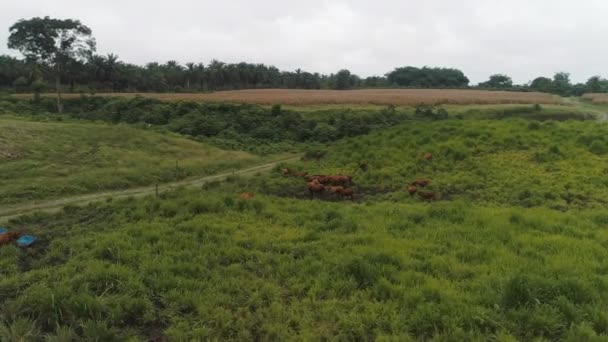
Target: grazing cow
x: 333, y: 189
x: 421, y: 182
x: 246, y: 195
x: 338, y: 180
x: 9, y: 237
x: 315, y: 187
x: 427, y: 195
x: 412, y: 190
x: 427, y: 156
x: 346, y: 192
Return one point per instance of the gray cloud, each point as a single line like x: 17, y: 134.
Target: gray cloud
x: 521, y: 38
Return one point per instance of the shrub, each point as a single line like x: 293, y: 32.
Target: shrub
x: 534, y: 125
x: 598, y: 147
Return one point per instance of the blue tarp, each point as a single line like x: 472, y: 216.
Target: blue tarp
x: 26, y: 240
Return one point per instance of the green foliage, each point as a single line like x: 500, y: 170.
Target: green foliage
x: 431, y: 112
x: 255, y: 269
x: 426, y: 77
x: 237, y: 127
x: 21, y: 84
x: 498, y: 81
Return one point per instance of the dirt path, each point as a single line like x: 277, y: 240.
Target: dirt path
x: 58, y: 204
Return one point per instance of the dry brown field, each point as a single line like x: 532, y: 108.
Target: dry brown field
x: 397, y: 97
x: 596, y: 98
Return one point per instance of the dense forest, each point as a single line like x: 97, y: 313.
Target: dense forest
x: 108, y: 74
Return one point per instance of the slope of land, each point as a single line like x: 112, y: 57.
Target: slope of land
x: 509, y: 161
x: 40, y: 160
x: 513, y: 248
x: 9, y: 211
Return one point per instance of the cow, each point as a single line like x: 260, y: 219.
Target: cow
x: 427, y: 195
x: 346, y: 192
x: 9, y: 237
x: 315, y: 187
x: 421, y: 182
x: 412, y: 190
x: 333, y: 189
x: 427, y: 156
x: 285, y: 171
x: 246, y: 195
x: 301, y: 174
x: 337, y: 180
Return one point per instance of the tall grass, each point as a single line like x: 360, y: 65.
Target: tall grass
x: 192, y: 265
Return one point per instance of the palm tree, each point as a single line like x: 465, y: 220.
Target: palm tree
x: 111, y: 68
x: 190, y: 73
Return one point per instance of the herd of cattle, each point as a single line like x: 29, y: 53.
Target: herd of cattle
x: 339, y: 185
x: 318, y: 184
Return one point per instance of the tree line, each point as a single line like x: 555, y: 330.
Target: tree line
x: 60, y: 55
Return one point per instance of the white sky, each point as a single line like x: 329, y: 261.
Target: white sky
x: 522, y: 38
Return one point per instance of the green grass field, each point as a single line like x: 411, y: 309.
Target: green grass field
x: 195, y: 266
x: 514, y: 249
x: 41, y: 160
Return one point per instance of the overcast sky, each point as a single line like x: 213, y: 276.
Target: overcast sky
x: 522, y: 38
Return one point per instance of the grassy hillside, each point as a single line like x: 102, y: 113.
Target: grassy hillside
x: 514, y: 249
x: 509, y: 162
x: 192, y: 266
x: 41, y: 160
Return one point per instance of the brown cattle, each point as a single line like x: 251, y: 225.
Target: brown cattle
x: 427, y: 156
x: 246, y: 195
x: 421, y: 182
x: 315, y: 187
x: 412, y: 190
x: 9, y: 237
x: 427, y: 195
x: 334, y: 189
x: 346, y: 192
x: 337, y: 180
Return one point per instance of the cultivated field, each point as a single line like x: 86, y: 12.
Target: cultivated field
x: 597, y: 98
x: 397, y: 97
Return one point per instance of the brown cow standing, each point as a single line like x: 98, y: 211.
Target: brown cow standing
x: 427, y: 195
x: 337, y: 180
x: 246, y: 195
x: 315, y: 187
x: 427, y: 156
x: 412, y: 190
x: 346, y: 192
x: 421, y: 182
x: 9, y: 237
